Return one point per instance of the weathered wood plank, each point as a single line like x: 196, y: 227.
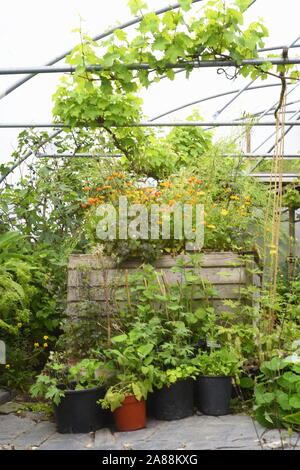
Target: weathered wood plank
x: 78, y: 294
x: 220, y: 259
x: 215, y: 275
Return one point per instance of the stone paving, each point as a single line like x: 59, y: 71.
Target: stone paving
x: 33, y: 431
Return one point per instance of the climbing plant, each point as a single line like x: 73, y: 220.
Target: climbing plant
x: 109, y: 97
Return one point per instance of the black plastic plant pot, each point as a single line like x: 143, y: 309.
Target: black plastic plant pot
x: 173, y: 402
x: 78, y: 411
x: 213, y: 394
x: 200, y: 346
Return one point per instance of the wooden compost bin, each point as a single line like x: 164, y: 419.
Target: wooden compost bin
x: 96, y: 279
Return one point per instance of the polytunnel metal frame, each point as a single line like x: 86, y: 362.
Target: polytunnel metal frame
x: 212, y: 63
x: 57, y: 59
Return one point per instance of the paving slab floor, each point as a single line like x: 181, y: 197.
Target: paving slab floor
x: 33, y: 431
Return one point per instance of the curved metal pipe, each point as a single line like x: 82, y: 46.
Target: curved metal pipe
x: 219, y: 95
x: 154, y: 124
x: 95, y: 38
x: 144, y: 66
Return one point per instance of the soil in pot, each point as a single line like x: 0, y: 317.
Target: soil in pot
x: 213, y: 394
x: 78, y: 411
x: 131, y: 415
x: 174, y: 402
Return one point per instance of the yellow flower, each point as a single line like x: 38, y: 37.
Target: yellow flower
x: 45, y: 345
x: 7, y: 366
x: 224, y: 212
x: 46, y: 337
x: 247, y: 198
x: 19, y: 324
x: 273, y: 252
x: 36, y: 345
x: 234, y: 197
x: 244, y: 213
x: 211, y: 226
x: 193, y: 230
x: 201, y: 193
x: 248, y: 203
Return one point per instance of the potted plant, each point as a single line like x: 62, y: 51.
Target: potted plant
x: 128, y: 361
x: 173, y: 396
x: 215, y: 369
x: 126, y: 400
x: 74, y: 391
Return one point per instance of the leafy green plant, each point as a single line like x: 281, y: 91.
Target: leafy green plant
x: 117, y: 393
x: 129, y: 362
x: 58, y: 377
x: 277, y: 392
x: 217, y: 362
x: 186, y: 370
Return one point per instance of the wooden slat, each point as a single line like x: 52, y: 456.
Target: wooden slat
x: 215, y: 275
x: 220, y: 259
x: 78, y: 294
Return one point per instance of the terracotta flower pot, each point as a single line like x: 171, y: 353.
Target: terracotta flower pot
x: 131, y: 415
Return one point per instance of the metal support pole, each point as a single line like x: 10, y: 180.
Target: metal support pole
x: 95, y: 38
x: 208, y: 98
x: 79, y: 155
x: 155, y: 124
x: 144, y: 66
x: 291, y: 259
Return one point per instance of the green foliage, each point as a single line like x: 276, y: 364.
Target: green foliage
x: 291, y: 198
x: 28, y: 316
x: 218, y: 362
x: 277, y: 392
x: 108, y: 97
x: 59, y: 377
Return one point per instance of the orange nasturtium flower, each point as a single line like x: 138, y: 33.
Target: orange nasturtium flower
x: 87, y: 189
x: 83, y: 205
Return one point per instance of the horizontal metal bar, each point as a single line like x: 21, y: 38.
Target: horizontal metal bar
x: 79, y: 155
x: 95, y: 38
x: 211, y: 97
x: 267, y: 177
x: 143, y: 66
x: 276, y: 48
x: 266, y: 156
x: 117, y: 155
x: 158, y: 124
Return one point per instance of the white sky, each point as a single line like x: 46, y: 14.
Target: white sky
x: 32, y: 32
